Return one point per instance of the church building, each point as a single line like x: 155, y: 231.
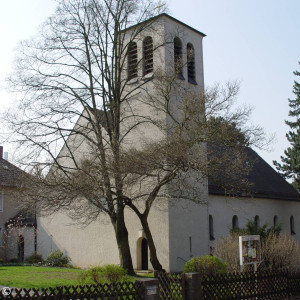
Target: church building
x: 180, y: 229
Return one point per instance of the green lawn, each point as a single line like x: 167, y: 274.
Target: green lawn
x: 37, y: 277
x: 29, y: 277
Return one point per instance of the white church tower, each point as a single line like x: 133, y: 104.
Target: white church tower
x: 165, y: 47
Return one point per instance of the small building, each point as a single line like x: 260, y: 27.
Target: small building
x: 18, y: 229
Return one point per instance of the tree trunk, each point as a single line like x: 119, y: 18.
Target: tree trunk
x: 153, y: 256
x: 122, y: 241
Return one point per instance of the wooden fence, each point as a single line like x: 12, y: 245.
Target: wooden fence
x: 191, y: 286
x: 112, y: 291
x: 266, y: 285
x: 229, y: 286
x: 171, y: 285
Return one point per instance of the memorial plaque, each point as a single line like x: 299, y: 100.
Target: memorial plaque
x: 152, y: 290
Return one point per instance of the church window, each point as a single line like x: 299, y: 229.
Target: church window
x: 235, y: 222
x: 275, y: 221
x: 191, y: 63
x: 211, y: 227
x: 178, y: 57
x: 147, y: 55
x: 1, y: 201
x: 132, y: 60
x: 292, y: 224
x: 256, y: 221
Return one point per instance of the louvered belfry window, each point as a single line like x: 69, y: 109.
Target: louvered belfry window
x: 147, y: 55
x: 191, y: 63
x: 178, y: 57
x: 132, y: 60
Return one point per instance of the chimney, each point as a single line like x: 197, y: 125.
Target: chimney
x: 5, y: 155
x: 1, y: 152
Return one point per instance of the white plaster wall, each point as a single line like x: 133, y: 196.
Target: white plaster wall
x: 28, y: 241
x: 159, y: 225
x: 188, y: 227
x: 188, y: 221
x: 224, y: 208
x: 96, y: 243
x: 91, y: 245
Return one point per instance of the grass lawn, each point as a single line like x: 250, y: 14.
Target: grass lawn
x: 29, y: 277
x: 37, y: 277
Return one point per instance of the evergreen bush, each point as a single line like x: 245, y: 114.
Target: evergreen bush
x: 111, y: 273
x: 206, y: 265
x: 34, y: 258
x: 57, y: 259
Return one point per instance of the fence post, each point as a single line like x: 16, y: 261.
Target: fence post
x: 151, y: 288
x: 193, y: 286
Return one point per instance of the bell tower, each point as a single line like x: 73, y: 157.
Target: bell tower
x: 163, y: 49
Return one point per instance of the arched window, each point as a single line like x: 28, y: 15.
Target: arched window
x: 235, y: 222
x: 211, y: 227
x: 275, y: 221
x: 292, y: 224
x: 132, y: 60
x: 191, y: 64
x: 147, y: 55
x: 256, y: 221
x: 178, y: 57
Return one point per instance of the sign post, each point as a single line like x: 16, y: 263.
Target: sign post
x: 250, y: 251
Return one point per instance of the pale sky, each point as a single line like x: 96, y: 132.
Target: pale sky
x: 254, y: 41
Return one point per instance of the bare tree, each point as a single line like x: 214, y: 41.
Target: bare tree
x: 76, y: 115
x: 73, y: 70
x: 177, y: 166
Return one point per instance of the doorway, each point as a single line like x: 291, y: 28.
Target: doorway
x: 144, y: 254
x: 21, y: 248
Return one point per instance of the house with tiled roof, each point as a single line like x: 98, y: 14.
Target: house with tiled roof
x: 18, y: 230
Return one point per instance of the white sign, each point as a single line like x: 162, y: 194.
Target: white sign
x: 249, y: 249
x: 152, y: 290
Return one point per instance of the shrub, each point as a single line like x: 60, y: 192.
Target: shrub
x: 34, y: 258
x: 206, y: 265
x: 1, y: 260
x: 57, y: 259
x: 111, y: 273
x: 278, y: 251
x: 15, y: 260
x: 252, y: 229
x: 227, y: 248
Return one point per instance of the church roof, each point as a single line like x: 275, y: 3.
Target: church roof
x: 9, y: 174
x: 170, y: 17
x: 265, y: 181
